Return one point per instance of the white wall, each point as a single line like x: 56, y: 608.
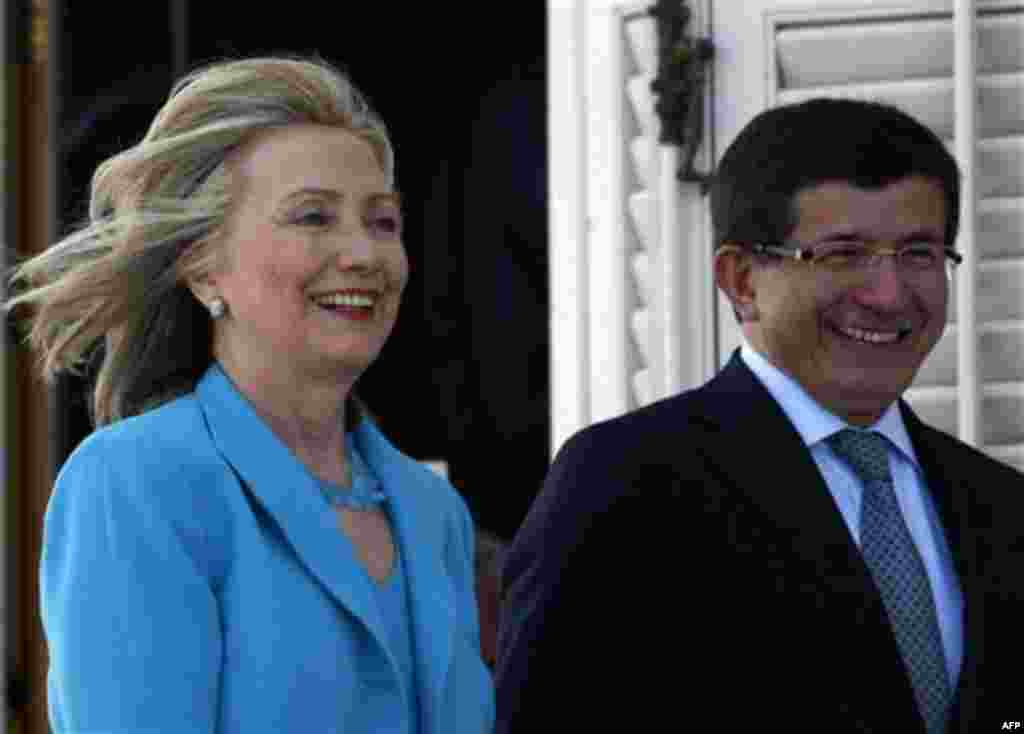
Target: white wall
x: 630, y: 267
x: 635, y: 316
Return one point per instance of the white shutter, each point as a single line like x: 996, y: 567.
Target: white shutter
x: 640, y: 132
x: 626, y: 240
x: 670, y: 262
x: 617, y: 122
x: 906, y: 58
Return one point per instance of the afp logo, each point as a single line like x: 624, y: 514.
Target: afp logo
x: 1010, y: 725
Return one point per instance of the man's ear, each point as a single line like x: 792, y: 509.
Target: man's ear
x: 735, y: 276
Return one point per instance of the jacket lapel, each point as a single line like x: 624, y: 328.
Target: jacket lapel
x: 739, y: 416
x: 422, y: 534
x: 283, y: 487
x: 286, y: 491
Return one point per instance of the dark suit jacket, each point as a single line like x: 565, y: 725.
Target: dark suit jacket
x: 685, y: 568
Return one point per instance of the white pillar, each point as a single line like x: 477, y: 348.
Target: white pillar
x: 567, y: 223
x: 966, y: 143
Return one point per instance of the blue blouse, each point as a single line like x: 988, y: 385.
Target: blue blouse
x: 391, y: 592
x: 394, y: 610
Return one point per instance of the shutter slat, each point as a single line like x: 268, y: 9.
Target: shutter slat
x: 641, y: 153
x: 1001, y: 228
x: 643, y: 390
x: 1001, y: 99
x: 1000, y: 294
x: 1000, y: 355
x: 641, y: 101
x: 640, y: 265
x: 819, y: 56
x: 642, y: 36
x: 640, y: 328
x: 1002, y: 410
x: 1001, y: 166
x: 640, y: 205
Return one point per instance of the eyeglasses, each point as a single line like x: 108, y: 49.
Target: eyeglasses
x: 859, y: 257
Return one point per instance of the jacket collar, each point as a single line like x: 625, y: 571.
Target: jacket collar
x: 813, y: 421
x: 279, y: 482
x: 899, y: 424
x: 739, y: 418
x: 741, y: 415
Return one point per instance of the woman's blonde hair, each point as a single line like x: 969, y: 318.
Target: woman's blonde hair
x: 120, y: 280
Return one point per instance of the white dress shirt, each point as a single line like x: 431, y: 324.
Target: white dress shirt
x: 814, y: 424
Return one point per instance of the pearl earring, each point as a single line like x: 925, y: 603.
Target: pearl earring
x: 217, y: 308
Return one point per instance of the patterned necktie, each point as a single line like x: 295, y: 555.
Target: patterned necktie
x: 897, y: 569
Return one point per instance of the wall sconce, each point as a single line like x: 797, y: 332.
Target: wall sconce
x: 683, y: 69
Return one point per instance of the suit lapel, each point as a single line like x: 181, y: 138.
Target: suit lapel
x: 741, y: 418
x: 422, y: 534
x: 286, y: 491
x: 282, y: 486
x: 741, y: 415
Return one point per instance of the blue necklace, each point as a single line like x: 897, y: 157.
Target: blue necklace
x: 365, y: 491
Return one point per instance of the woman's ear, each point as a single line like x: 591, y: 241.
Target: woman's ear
x: 735, y: 276
x: 204, y: 288
x: 201, y: 266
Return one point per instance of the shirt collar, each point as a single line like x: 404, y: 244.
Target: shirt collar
x: 813, y: 422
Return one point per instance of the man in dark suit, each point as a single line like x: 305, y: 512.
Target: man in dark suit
x: 787, y: 547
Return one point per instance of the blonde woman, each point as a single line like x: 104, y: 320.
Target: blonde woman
x: 236, y: 548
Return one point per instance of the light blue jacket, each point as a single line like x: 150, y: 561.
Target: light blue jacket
x: 195, y: 580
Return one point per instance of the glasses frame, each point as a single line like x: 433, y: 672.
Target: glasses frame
x: 806, y: 254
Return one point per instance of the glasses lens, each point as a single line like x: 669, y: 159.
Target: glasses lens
x: 922, y: 257
x: 857, y: 256
x: 842, y: 256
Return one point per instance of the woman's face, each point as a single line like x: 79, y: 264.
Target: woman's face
x: 314, y: 265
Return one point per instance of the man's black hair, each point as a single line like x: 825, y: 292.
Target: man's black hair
x: 787, y: 149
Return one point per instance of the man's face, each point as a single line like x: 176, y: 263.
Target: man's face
x: 840, y: 336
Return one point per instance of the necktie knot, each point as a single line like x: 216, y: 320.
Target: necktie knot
x: 866, y: 452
